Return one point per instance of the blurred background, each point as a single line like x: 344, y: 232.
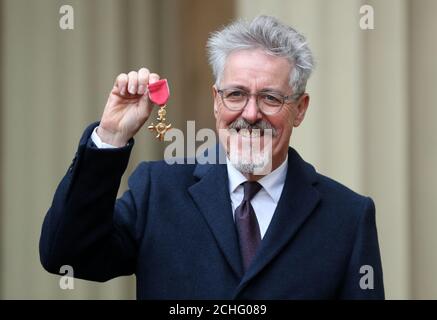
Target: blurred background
x: 371, y: 123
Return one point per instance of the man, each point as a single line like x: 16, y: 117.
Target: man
x: 218, y: 231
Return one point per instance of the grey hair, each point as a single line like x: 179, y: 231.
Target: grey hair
x: 266, y: 33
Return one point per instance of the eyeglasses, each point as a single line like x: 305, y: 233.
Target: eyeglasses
x: 269, y: 102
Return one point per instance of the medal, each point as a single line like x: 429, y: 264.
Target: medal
x: 159, y: 94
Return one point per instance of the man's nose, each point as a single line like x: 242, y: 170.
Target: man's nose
x: 252, y: 113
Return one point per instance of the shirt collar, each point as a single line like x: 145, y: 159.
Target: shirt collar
x: 272, y: 183
x: 235, y: 177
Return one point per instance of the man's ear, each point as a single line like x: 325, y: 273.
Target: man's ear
x: 214, y: 96
x: 302, y: 106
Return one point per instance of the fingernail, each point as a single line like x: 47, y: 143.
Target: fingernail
x: 141, y: 89
x: 132, y: 89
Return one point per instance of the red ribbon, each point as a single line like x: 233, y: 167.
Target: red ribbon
x: 159, y: 92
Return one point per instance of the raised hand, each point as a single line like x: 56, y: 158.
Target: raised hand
x: 128, y: 107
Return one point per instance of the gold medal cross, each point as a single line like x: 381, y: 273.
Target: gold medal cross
x: 161, y: 127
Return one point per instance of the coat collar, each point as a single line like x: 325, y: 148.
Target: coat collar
x: 298, y: 199
x: 211, y: 196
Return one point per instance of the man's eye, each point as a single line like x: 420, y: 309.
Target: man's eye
x: 234, y: 94
x: 271, y: 99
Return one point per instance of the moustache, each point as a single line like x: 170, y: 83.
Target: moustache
x: 261, y: 125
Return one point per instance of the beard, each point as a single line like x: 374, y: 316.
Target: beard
x: 250, y: 146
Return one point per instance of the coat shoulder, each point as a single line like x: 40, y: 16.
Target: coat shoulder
x: 329, y: 186
x: 341, y: 199
x: 330, y: 190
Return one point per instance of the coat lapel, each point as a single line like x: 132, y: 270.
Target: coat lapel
x: 211, y: 195
x: 297, y: 201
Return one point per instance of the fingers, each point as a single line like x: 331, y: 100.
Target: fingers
x: 121, y: 83
x: 132, y: 86
x: 153, y: 78
x: 143, y: 80
x: 135, y: 83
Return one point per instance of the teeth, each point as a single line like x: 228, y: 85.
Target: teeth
x: 245, y: 133
x: 248, y: 133
x: 256, y: 133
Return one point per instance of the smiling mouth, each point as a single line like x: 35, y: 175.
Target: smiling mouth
x: 250, y: 133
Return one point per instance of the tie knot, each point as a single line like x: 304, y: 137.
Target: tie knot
x: 251, y: 188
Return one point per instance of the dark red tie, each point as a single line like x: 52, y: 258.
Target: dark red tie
x: 247, y: 224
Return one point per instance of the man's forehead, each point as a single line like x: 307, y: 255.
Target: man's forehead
x: 256, y: 68
x: 253, y: 55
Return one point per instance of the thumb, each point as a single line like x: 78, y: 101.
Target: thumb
x: 153, y: 77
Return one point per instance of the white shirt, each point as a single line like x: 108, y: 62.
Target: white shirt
x: 98, y: 142
x: 264, y: 203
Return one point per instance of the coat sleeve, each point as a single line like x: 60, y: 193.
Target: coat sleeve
x: 86, y: 227
x: 364, y: 277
